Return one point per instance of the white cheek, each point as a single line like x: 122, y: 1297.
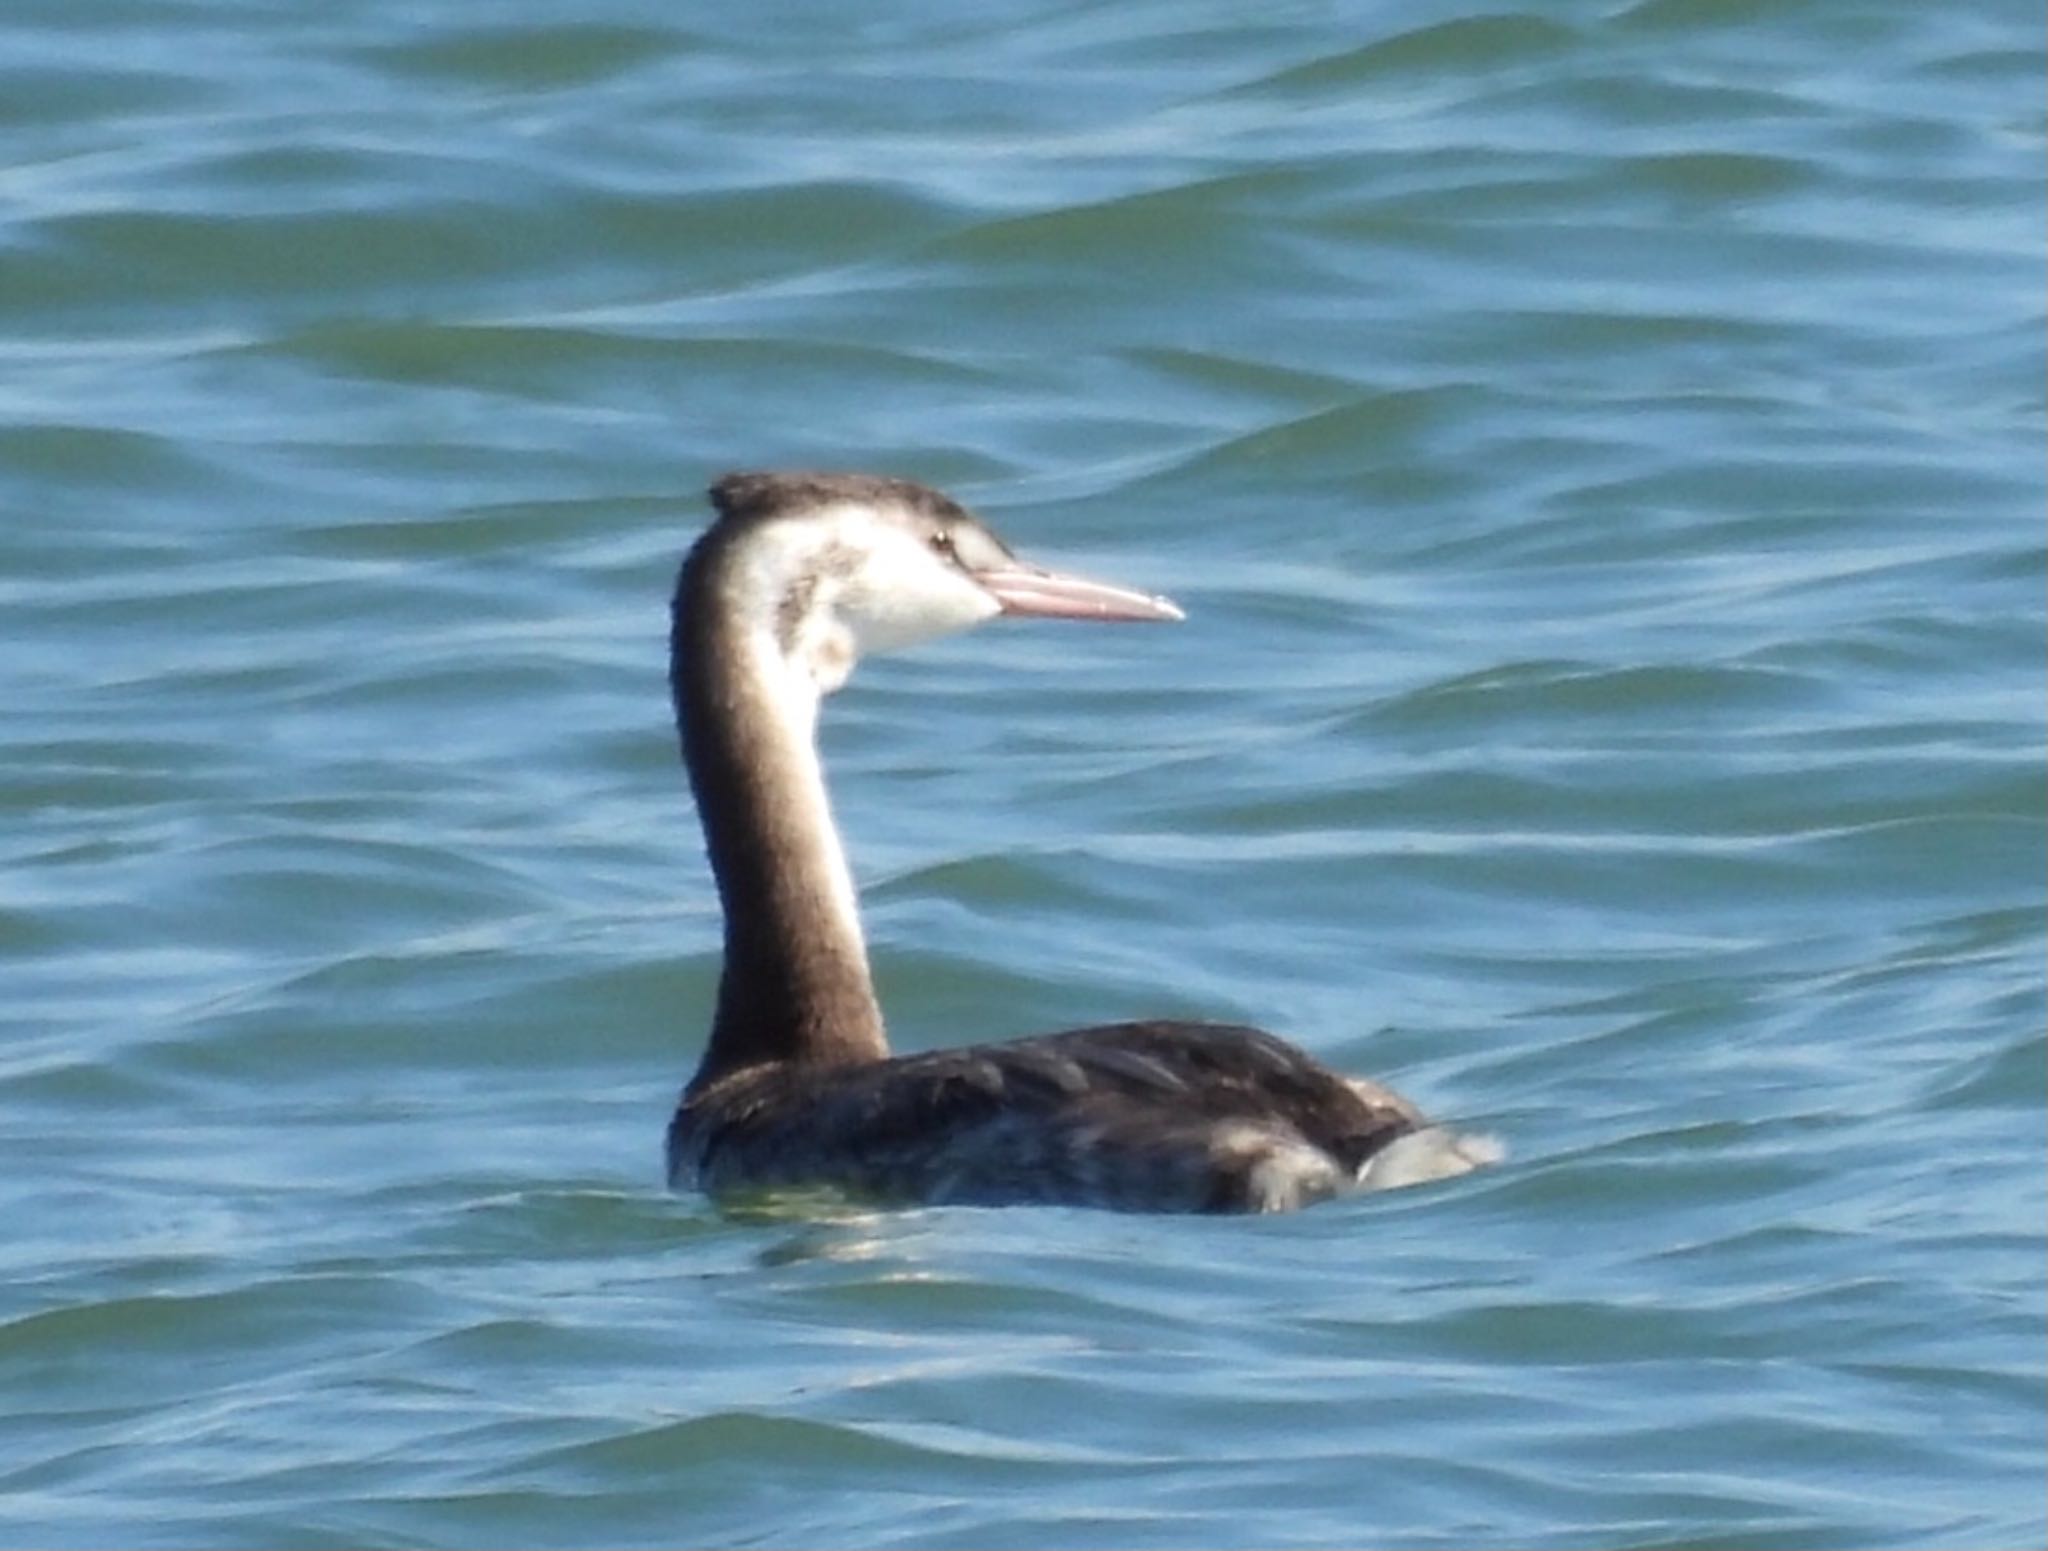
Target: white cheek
x: 886, y: 620
x: 861, y: 584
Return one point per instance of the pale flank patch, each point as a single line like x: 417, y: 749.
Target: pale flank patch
x: 1434, y: 1152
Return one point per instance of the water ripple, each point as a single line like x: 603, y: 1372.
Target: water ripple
x: 1598, y: 451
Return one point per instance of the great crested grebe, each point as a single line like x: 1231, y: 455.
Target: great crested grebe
x: 800, y: 575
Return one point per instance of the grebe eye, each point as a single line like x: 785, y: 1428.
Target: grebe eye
x: 942, y: 543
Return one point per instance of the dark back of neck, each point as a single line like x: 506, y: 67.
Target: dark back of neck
x: 795, y: 985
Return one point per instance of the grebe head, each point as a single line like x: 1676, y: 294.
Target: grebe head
x: 834, y: 566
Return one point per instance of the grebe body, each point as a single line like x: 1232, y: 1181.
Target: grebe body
x: 799, y: 576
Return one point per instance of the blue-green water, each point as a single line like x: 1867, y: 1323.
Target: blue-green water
x: 1599, y: 446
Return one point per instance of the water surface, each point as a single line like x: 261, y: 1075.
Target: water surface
x: 1598, y: 447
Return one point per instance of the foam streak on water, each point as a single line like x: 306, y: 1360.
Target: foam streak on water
x: 1598, y: 446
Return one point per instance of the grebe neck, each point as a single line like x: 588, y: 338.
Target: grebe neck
x: 795, y: 985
